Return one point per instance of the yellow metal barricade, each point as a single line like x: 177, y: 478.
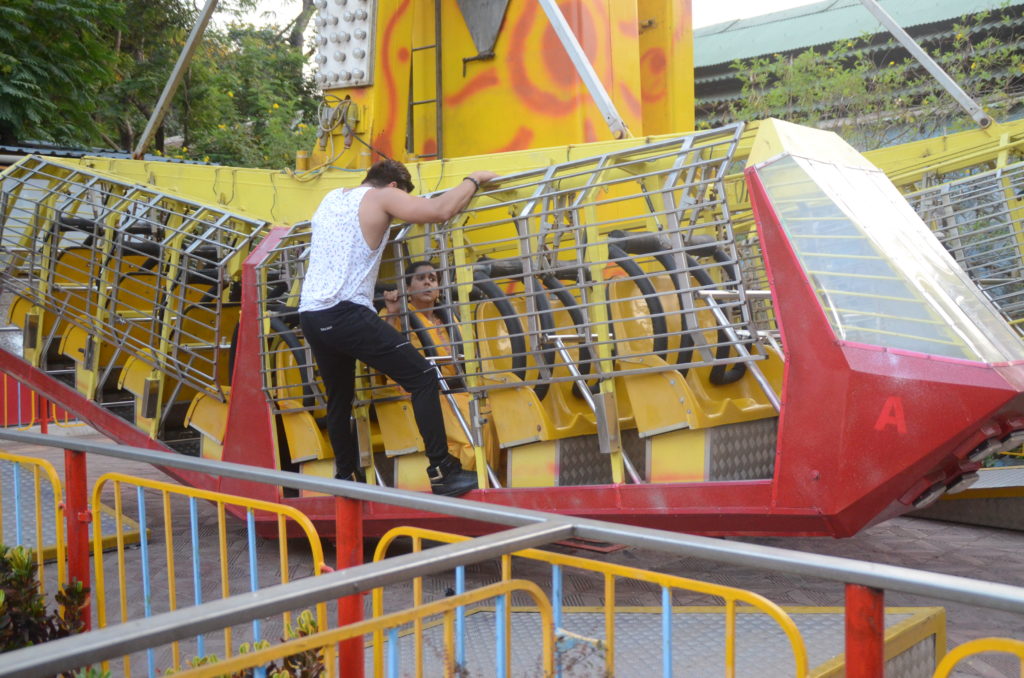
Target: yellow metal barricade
x: 973, y: 647
x: 446, y: 607
x: 45, y: 520
x: 211, y: 577
x: 732, y: 597
x: 63, y: 421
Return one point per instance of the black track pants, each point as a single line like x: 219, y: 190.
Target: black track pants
x: 346, y: 332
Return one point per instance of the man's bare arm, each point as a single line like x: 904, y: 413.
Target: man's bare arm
x: 404, y: 207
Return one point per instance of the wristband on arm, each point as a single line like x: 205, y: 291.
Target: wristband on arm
x: 475, y: 183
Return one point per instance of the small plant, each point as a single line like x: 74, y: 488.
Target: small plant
x: 307, y: 664
x: 24, y: 617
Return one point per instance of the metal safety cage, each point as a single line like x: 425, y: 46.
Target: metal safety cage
x: 980, y: 221
x: 144, y: 272
x: 579, y: 272
x: 289, y: 375
x: 594, y: 268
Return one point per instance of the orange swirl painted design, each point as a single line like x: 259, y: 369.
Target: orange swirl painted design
x: 388, y: 116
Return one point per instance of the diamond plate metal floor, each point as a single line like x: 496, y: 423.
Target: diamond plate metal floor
x: 18, y: 511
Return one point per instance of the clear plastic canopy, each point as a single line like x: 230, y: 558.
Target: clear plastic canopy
x: 881, y: 276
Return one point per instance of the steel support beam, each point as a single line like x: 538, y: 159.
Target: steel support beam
x: 585, y: 69
x: 176, y: 75
x: 950, y: 85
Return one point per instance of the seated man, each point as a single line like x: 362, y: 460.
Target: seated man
x: 429, y: 325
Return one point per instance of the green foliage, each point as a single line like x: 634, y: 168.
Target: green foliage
x: 91, y: 672
x: 247, y: 100
x: 858, y: 90
x: 307, y: 664
x: 55, y: 57
x: 24, y: 618
x: 88, y: 72
x: 146, y: 48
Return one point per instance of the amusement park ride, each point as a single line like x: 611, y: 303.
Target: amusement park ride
x: 745, y: 330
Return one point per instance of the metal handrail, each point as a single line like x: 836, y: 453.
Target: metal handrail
x: 531, y: 529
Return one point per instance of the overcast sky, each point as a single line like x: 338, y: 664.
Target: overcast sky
x: 705, y: 12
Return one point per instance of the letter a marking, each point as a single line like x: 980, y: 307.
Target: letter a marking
x: 892, y: 415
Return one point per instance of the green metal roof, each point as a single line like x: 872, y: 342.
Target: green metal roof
x: 821, y: 23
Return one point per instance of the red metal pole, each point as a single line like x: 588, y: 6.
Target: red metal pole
x: 44, y: 415
x: 865, y: 632
x: 348, y: 535
x: 76, y: 514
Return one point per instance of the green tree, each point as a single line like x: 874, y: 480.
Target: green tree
x: 55, y: 59
x: 859, y: 90
x: 146, y: 47
x: 247, y: 100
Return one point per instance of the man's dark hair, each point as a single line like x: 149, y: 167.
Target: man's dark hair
x: 384, y: 172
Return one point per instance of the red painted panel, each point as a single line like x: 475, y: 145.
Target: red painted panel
x: 250, y: 437
x: 864, y: 430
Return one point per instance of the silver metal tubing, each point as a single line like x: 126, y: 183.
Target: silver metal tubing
x: 947, y: 83
x: 733, y: 294
x: 498, y: 515
x: 76, y: 651
x: 631, y: 470
x: 571, y: 365
x: 888, y: 577
x: 175, y: 78
x: 470, y: 435
x: 762, y: 380
x: 536, y: 529
x: 463, y: 424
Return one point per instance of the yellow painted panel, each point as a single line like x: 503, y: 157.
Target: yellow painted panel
x: 666, y: 65
x: 777, y: 136
x: 209, y: 416
x: 398, y: 427
x: 534, y: 465
x: 306, y: 441
x: 518, y: 416
x: 661, y: 400
x: 321, y: 468
x: 411, y: 472
x: 678, y: 457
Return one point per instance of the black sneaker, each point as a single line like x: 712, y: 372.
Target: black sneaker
x: 448, y: 478
x: 356, y: 476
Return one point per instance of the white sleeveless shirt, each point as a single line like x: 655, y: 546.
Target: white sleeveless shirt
x: 341, y: 267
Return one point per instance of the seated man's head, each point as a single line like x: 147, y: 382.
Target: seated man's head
x: 422, y: 284
x: 387, y: 172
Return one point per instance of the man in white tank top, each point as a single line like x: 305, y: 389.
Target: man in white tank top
x: 336, y: 313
